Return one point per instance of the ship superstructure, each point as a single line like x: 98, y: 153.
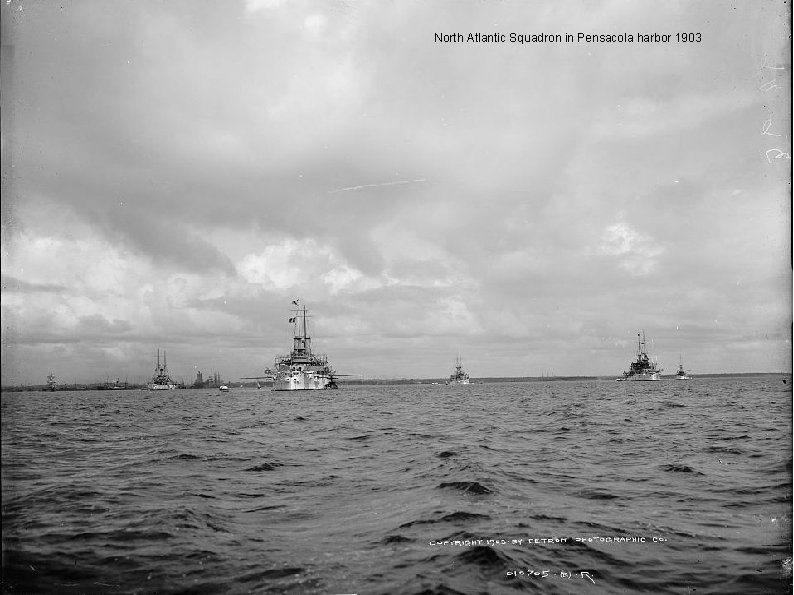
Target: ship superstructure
x: 642, y: 369
x: 161, y: 380
x: 302, y: 369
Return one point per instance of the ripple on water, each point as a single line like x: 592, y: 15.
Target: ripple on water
x: 277, y: 492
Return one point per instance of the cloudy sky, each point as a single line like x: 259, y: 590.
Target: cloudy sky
x: 176, y: 173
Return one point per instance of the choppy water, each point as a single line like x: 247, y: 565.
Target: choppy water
x: 367, y: 489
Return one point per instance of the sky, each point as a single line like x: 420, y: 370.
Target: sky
x: 176, y: 173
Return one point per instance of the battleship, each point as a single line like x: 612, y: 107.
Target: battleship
x: 301, y: 369
x: 458, y: 376
x: 643, y: 369
x: 118, y: 385
x: 161, y: 380
x: 682, y: 374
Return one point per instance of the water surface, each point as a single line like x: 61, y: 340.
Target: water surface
x: 554, y: 487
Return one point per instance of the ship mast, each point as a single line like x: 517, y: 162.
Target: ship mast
x: 301, y: 345
x: 641, y: 343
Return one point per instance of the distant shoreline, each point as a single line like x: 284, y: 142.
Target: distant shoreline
x: 498, y: 379
x: 398, y: 381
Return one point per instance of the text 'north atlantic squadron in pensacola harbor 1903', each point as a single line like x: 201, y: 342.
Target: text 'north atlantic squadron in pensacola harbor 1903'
x: 301, y: 369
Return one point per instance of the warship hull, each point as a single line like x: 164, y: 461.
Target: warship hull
x: 162, y: 386
x: 641, y: 377
x: 301, y: 381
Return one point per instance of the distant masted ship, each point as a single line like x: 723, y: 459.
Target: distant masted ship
x: 682, y: 374
x: 51, y: 384
x: 642, y: 368
x: 301, y: 369
x: 161, y: 380
x: 458, y: 376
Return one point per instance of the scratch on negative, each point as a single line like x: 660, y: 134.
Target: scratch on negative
x: 362, y: 186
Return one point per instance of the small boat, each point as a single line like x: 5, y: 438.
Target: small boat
x: 642, y: 369
x: 223, y: 388
x: 118, y: 386
x: 161, y: 380
x: 458, y: 376
x: 682, y: 374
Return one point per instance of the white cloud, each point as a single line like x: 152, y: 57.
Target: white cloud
x: 638, y: 116
x: 455, y: 317
x: 285, y: 265
x: 314, y: 24
x: 637, y: 252
x: 304, y: 263
x: 619, y: 239
x: 341, y: 277
x: 258, y: 5
x: 319, y: 93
